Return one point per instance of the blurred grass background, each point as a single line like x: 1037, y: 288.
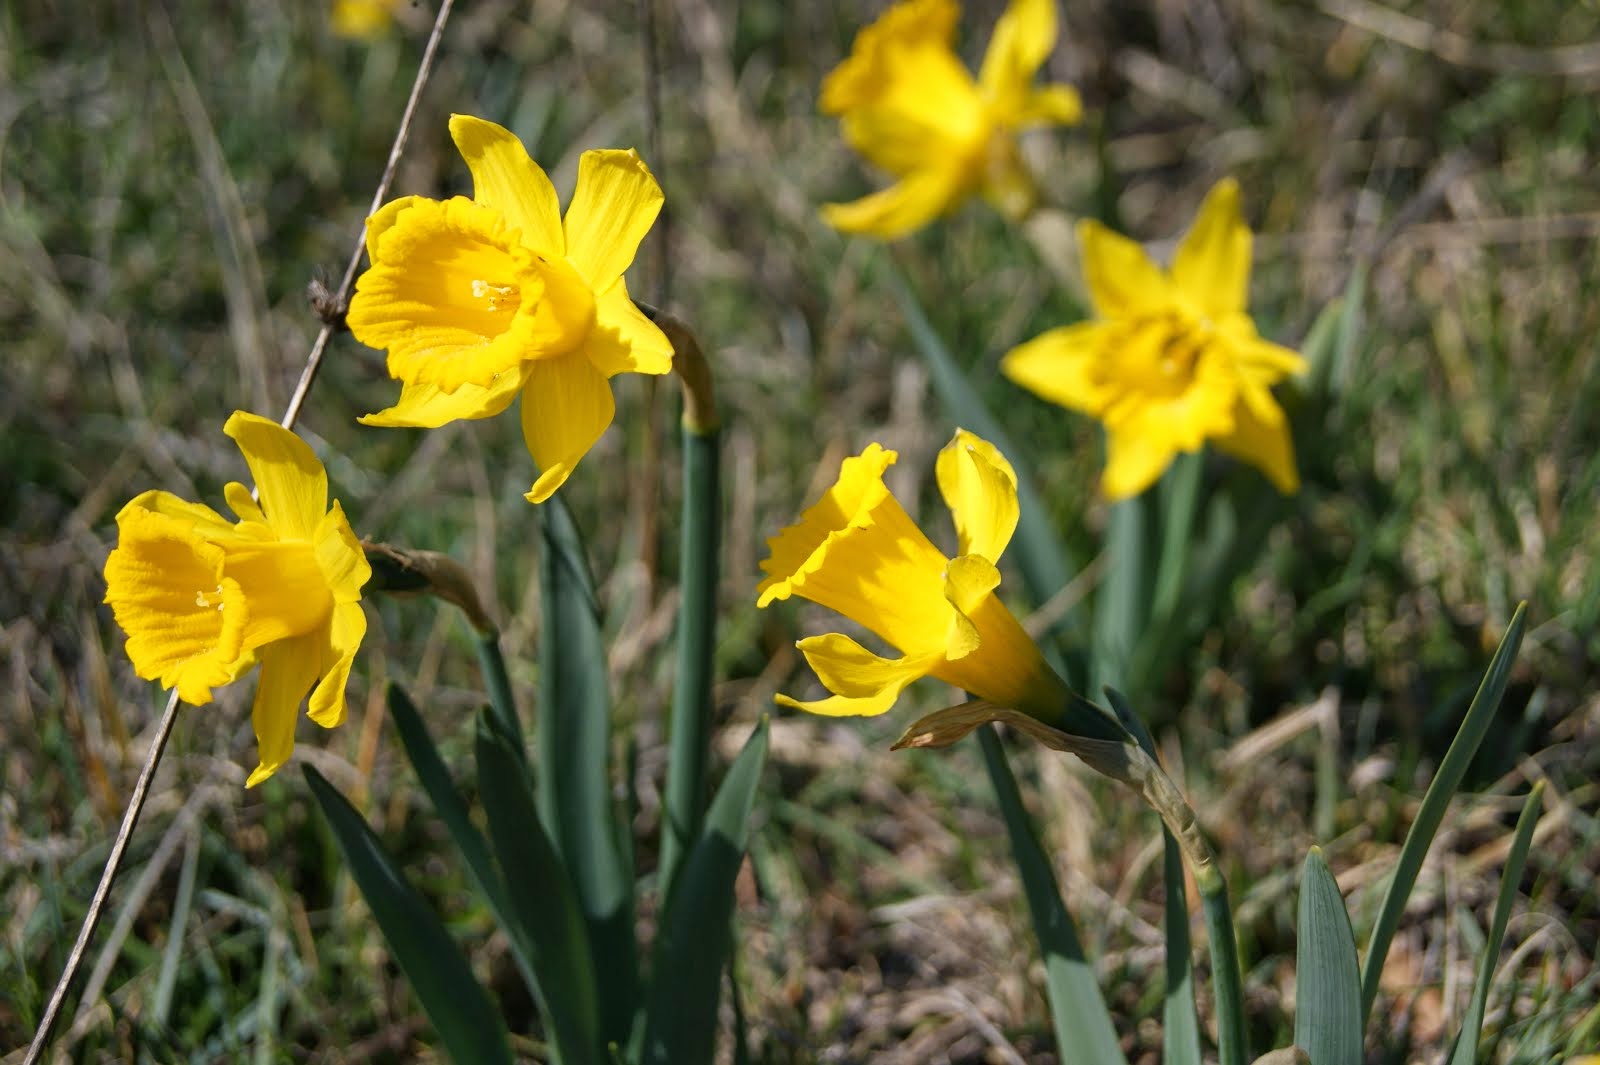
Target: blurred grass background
x: 173, y: 175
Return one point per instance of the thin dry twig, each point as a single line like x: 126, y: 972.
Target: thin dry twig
x: 141, y: 788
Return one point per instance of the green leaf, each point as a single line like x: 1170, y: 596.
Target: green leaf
x: 696, y: 927
x: 1434, y: 803
x: 448, y: 803
x: 690, y: 739
x: 467, y: 1022
x: 1327, y: 1022
x: 498, y: 685
x: 1043, y: 559
x: 540, y: 899
x: 1466, y: 1048
x: 1122, y: 606
x: 1077, y: 1009
x: 574, y: 749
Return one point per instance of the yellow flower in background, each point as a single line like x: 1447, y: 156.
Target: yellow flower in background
x: 857, y: 552
x: 910, y: 107
x: 1171, y: 358
x: 363, y: 19
x: 203, y: 599
x: 480, y: 301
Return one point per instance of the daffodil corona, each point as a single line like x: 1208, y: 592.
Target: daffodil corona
x: 1171, y: 358
x: 910, y: 107
x: 203, y: 599
x: 484, y: 300
x: 857, y: 552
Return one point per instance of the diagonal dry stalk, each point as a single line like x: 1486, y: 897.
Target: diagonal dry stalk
x: 333, y: 317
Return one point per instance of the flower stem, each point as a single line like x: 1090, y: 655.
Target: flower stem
x: 690, y: 725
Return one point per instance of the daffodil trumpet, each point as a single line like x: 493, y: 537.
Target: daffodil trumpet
x: 203, y: 599
x: 1171, y: 358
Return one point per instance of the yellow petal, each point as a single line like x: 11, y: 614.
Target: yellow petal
x: 428, y: 406
x: 613, y: 206
x: 346, y: 629
x: 980, y: 488
x: 1134, y: 461
x: 1022, y: 41
x: 196, y: 517
x: 1211, y: 269
x: 506, y: 178
x: 623, y: 339
x: 1062, y: 366
x: 381, y: 220
x: 340, y: 557
x: 799, y: 549
x: 908, y: 26
x: 1261, y: 437
x: 909, y: 204
x: 185, y: 621
x: 293, y: 484
x: 857, y: 552
x: 452, y: 296
x: 288, y: 669
x: 863, y: 684
x: 242, y: 503
x: 1051, y: 105
x: 928, y: 113
x: 566, y: 405
x: 1123, y: 282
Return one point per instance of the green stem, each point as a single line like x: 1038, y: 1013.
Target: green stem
x: 498, y: 684
x: 1226, y: 979
x: 690, y: 739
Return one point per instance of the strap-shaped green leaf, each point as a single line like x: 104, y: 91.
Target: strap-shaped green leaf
x: 574, y: 755
x: 1466, y: 1048
x: 1122, y: 605
x: 1434, y: 802
x: 469, y: 1025
x: 690, y: 740
x: 1327, y: 996
x: 696, y: 928
x: 1077, y: 1008
x: 451, y: 807
x: 540, y: 898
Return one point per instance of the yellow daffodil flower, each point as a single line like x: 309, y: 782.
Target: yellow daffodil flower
x: 857, y: 552
x: 480, y: 301
x: 203, y: 599
x: 1172, y: 358
x: 363, y: 19
x: 910, y: 107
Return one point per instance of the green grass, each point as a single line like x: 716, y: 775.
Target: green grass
x: 153, y: 261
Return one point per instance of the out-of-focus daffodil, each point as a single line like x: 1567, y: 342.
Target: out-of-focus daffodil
x: 203, y: 599
x: 363, y: 19
x: 1172, y: 358
x: 910, y: 107
x: 857, y: 552
x: 480, y: 301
